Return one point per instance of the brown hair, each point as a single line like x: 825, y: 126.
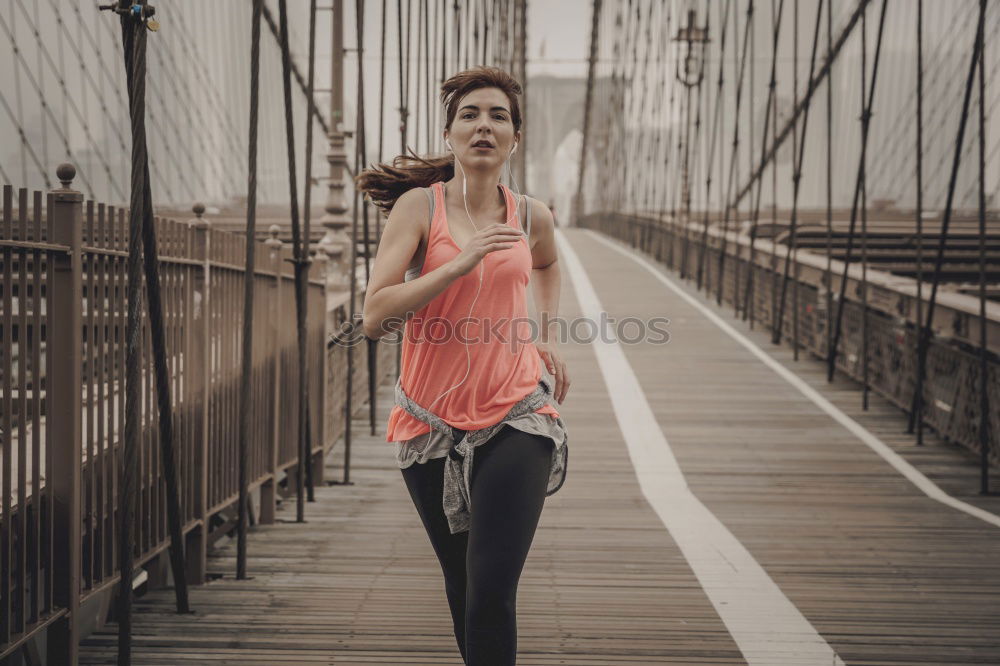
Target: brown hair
x: 385, y: 183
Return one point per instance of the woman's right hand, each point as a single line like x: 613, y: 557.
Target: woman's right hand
x: 495, y: 237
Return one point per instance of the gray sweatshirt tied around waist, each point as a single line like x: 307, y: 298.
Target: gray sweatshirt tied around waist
x: 456, y: 499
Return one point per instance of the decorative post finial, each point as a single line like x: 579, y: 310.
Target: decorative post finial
x: 198, y: 222
x: 273, y: 242
x: 66, y: 172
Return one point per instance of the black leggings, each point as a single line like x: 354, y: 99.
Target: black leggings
x: 483, y: 564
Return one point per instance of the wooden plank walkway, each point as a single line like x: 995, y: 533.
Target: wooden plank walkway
x: 882, y: 572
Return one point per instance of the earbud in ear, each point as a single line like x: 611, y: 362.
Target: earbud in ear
x: 514, y: 149
x: 448, y: 143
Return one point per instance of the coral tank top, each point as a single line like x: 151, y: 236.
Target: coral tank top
x: 505, y: 364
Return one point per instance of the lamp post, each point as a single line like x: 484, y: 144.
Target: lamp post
x: 691, y: 41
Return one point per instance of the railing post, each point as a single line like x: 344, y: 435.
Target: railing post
x: 64, y: 444
x: 201, y: 358
x: 269, y: 489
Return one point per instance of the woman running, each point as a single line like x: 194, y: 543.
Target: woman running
x: 477, y: 437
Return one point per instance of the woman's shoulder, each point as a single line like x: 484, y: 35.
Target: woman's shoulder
x: 414, y: 197
x: 538, y: 208
x: 415, y: 206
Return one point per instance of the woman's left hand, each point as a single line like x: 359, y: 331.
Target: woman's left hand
x: 556, y: 367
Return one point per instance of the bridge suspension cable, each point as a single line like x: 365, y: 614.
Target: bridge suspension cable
x: 717, y: 219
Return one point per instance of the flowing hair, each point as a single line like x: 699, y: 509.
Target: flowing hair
x: 385, y: 183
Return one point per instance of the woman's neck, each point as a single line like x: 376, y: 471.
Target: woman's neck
x: 482, y: 193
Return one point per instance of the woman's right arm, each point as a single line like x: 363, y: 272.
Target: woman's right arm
x: 388, y: 299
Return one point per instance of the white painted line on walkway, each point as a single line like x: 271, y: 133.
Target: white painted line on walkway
x: 899, y: 463
x: 768, y: 629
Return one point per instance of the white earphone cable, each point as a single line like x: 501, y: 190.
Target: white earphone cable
x: 482, y: 267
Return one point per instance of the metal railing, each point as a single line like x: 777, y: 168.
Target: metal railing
x: 62, y: 409
x: 951, y: 387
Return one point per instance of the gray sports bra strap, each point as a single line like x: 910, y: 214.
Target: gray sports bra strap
x: 526, y: 226
x: 429, y: 191
x: 414, y: 273
x: 527, y: 218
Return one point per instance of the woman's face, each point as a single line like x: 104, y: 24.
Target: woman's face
x: 483, y: 116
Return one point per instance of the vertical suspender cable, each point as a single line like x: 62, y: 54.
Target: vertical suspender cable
x: 522, y: 160
x: 403, y: 74
x: 465, y: 20
x: 456, y: 16
x: 478, y: 16
x: 675, y: 182
x: 716, y: 119
x: 653, y: 153
x: 241, y: 530
x: 420, y: 88
x: 632, y: 117
x: 753, y: 59
x: 373, y: 344
x: 587, y: 113
x: 797, y: 176
x: 864, y: 225
x: 18, y: 101
x: 828, y: 272
x: 644, y: 151
x: 134, y: 52
x: 628, y: 102
x: 654, y: 177
x: 688, y: 227
x: 984, y: 419
x: 611, y: 106
x: 774, y: 167
x: 925, y: 333
x: 381, y: 94
x: 865, y: 124
x: 750, y: 162
x: 162, y: 372
x: 301, y: 263
x: 353, y: 281
x: 686, y: 178
x: 748, y: 286
x: 133, y: 26
x: 917, y: 413
x: 444, y: 58
x: 494, y: 19
x: 426, y: 90
x: 807, y: 96
x: 511, y: 17
x: 404, y: 91
x: 437, y: 38
x: 486, y: 32
x: 402, y: 79
x: 405, y: 63
x: 306, y: 208
x: 360, y: 144
x: 735, y: 39
x: 734, y: 159
x: 797, y: 159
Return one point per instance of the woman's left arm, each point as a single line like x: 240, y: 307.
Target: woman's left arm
x: 546, y: 284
